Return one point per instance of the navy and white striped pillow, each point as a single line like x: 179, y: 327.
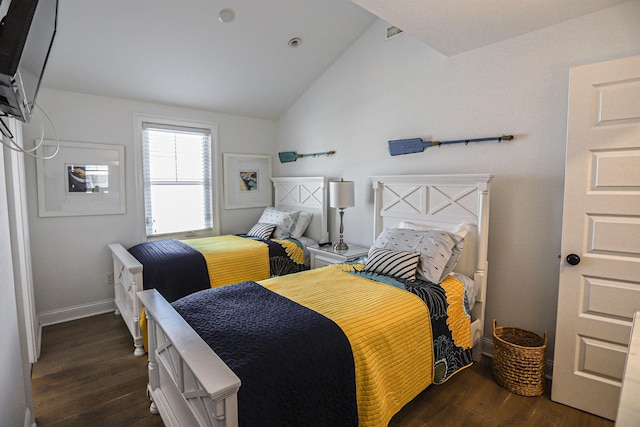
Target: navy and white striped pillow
x: 261, y: 230
x: 398, y: 264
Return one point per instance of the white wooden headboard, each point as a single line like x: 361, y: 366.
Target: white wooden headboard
x: 442, y: 201
x: 308, y: 194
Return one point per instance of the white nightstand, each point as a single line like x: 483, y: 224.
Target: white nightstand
x: 326, y: 255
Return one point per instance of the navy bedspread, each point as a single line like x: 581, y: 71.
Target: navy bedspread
x: 172, y: 267
x: 269, y: 349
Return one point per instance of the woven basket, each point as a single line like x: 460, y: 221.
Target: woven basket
x: 519, y: 358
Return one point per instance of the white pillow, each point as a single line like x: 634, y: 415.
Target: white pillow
x: 459, y: 229
x: 302, y: 222
x: 470, y: 287
x: 284, y: 221
x: 439, y: 249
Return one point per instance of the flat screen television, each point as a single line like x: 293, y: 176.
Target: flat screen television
x: 27, y: 30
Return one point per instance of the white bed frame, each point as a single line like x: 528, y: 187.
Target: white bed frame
x: 189, y: 385
x: 443, y: 201
x: 299, y: 193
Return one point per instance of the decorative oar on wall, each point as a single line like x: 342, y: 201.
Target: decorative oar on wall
x: 292, y: 156
x: 417, y: 145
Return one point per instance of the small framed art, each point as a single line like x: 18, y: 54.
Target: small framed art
x: 247, y: 180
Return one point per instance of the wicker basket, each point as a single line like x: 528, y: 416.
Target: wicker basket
x: 519, y: 358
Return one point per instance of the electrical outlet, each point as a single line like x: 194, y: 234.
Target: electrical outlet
x: 108, y: 277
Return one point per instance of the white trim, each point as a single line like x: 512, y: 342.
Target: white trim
x: 76, y: 312
x: 29, y: 419
x: 20, y: 243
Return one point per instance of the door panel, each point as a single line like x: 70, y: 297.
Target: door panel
x: 601, y: 224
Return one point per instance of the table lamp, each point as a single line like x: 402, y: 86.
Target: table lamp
x: 341, y: 196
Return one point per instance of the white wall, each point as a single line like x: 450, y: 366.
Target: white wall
x: 382, y: 90
x: 69, y: 254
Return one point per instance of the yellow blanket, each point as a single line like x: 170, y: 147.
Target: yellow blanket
x: 392, y: 349
x: 232, y: 259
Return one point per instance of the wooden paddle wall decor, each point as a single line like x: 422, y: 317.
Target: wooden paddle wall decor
x: 292, y: 156
x: 417, y: 145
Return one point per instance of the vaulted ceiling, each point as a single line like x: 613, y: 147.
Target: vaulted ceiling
x: 455, y: 26
x: 180, y: 52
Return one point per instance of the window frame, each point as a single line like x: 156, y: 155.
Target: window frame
x: 140, y: 119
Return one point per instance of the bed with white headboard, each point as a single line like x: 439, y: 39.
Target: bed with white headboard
x: 308, y: 194
x: 447, y: 202
x: 189, y: 383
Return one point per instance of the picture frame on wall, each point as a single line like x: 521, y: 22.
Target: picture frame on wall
x: 247, y: 180
x: 81, y: 179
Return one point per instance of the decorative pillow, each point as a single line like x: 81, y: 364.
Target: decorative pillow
x: 261, y: 230
x: 284, y: 221
x: 440, y: 250
x: 303, y: 221
x: 459, y: 229
x: 398, y: 264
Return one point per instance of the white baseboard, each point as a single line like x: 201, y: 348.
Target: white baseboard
x: 76, y: 312
x: 487, y: 350
x: 29, y: 419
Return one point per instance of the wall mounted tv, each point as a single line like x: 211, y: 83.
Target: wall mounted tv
x: 27, y: 30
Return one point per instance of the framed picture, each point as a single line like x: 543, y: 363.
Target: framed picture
x: 81, y: 179
x: 247, y: 180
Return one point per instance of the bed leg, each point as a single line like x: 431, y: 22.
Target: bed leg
x: 139, y: 350
x: 476, y: 352
x: 152, y: 408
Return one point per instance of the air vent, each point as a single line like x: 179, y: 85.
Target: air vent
x: 392, y: 31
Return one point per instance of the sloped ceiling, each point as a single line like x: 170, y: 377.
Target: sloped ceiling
x: 178, y: 52
x: 455, y: 26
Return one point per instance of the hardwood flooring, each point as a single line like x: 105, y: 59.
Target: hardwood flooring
x: 87, y: 375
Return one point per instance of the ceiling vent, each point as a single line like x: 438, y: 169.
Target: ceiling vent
x: 392, y: 31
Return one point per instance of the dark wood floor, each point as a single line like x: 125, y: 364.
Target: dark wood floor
x: 87, y: 375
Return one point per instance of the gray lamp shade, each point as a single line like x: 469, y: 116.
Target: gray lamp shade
x: 341, y: 194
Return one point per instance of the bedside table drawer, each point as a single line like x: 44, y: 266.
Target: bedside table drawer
x: 323, y: 262
x: 326, y: 255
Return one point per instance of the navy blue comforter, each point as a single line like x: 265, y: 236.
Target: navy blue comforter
x: 287, y: 378
x: 172, y: 267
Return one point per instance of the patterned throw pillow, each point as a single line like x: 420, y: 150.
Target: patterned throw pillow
x: 284, y: 221
x: 303, y: 221
x: 262, y: 231
x: 398, y: 264
x: 440, y: 250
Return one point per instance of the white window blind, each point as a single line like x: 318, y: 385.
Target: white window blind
x: 177, y: 179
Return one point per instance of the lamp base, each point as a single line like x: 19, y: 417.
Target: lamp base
x: 340, y: 246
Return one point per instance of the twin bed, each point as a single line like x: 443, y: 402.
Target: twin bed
x: 346, y: 344
x: 178, y: 268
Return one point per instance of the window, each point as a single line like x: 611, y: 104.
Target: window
x: 177, y: 179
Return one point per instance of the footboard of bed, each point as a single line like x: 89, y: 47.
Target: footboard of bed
x: 189, y: 385
x: 127, y: 282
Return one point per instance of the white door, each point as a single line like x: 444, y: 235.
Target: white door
x: 600, y: 235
